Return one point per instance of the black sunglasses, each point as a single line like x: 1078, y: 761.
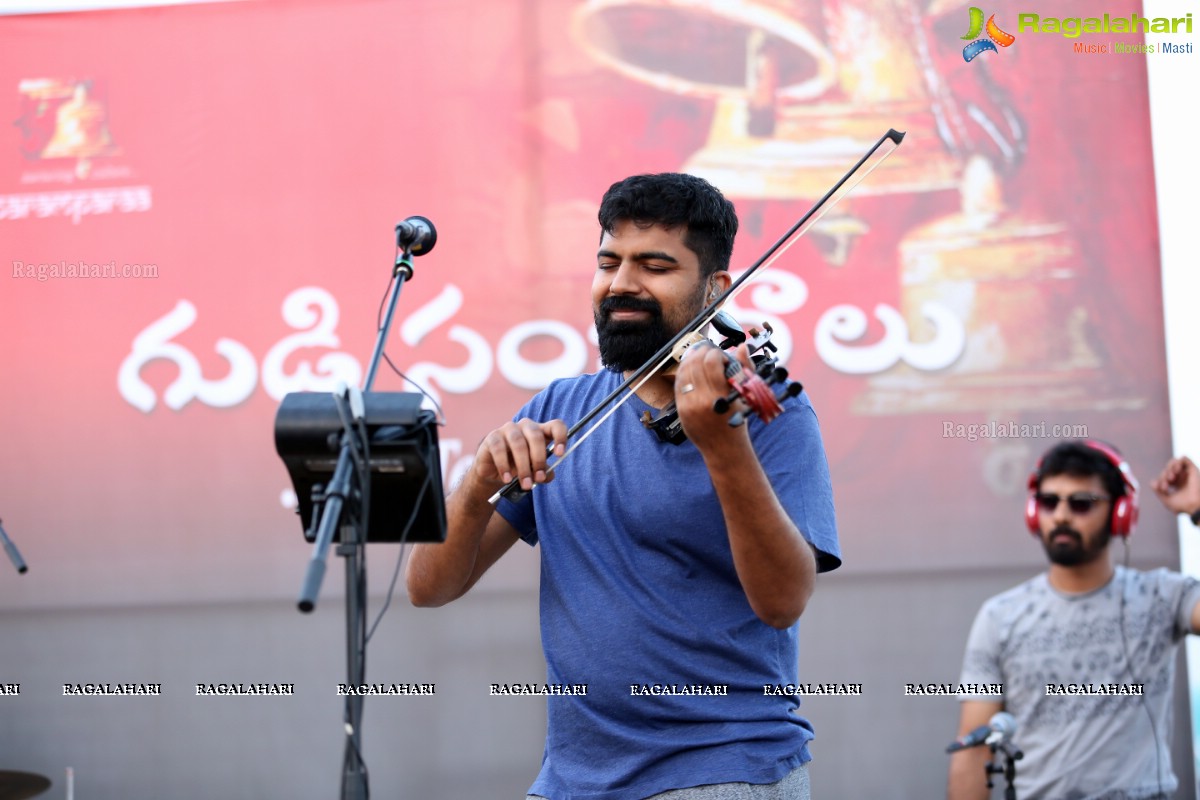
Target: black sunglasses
x: 1079, y: 503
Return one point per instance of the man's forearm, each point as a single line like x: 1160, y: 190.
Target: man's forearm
x: 776, y: 566
x: 439, y: 573
x: 968, y: 781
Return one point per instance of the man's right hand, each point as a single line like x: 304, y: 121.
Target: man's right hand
x: 476, y: 536
x: 519, y: 450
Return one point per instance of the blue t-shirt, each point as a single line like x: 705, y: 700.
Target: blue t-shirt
x: 639, y: 592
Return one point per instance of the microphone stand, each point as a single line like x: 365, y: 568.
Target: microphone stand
x: 344, y: 492
x: 1012, y: 755
x: 13, y: 554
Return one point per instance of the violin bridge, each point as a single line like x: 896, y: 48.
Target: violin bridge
x: 683, y: 344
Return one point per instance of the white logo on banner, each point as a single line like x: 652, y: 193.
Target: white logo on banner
x: 846, y: 323
x: 155, y: 343
x: 772, y: 293
x: 314, y: 312
x: 458, y: 380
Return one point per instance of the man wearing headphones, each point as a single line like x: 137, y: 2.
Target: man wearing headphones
x: 1085, y: 651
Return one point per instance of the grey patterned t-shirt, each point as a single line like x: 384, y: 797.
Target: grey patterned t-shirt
x: 1071, y: 666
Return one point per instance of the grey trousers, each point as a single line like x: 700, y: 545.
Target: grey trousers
x: 793, y: 786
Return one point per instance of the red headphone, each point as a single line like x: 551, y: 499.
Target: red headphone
x: 1125, y: 507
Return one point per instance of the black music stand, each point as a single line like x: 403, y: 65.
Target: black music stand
x: 405, y: 467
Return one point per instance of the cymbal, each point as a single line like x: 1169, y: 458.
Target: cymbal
x: 21, y: 785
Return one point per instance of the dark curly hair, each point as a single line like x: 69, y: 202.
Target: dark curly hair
x: 1079, y: 459
x: 673, y: 200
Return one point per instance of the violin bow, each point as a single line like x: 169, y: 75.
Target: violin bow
x: 879, y: 151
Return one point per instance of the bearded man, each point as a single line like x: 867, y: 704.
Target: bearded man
x: 1085, y: 651
x: 672, y: 576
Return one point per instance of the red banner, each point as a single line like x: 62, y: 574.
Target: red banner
x: 197, y: 207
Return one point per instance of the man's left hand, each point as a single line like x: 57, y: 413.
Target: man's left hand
x: 700, y: 382
x: 1178, y: 486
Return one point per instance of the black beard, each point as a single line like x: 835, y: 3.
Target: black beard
x: 1074, y: 553
x: 627, y: 345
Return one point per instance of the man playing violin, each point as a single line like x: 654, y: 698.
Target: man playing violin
x: 672, y: 576
x: 1085, y: 652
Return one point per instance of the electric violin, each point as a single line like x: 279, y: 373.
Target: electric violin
x: 753, y: 388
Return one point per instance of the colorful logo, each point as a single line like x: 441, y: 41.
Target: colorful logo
x: 66, y: 141
x: 64, y: 119
x: 995, y: 35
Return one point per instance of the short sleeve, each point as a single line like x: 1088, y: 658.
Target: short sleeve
x: 793, y: 456
x: 981, y: 662
x: 1183, y: 592
x: 519, y: 514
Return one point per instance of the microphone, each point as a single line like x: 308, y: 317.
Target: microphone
x: 999, y: 730
x: 416, y: 234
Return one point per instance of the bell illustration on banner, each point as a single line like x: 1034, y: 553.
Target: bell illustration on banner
x: 800, y: 90
x: 799, y: 87
x: 1019, y: 285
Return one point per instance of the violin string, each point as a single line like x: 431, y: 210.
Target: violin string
x: 882, y: 149
x: 632, y: 391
